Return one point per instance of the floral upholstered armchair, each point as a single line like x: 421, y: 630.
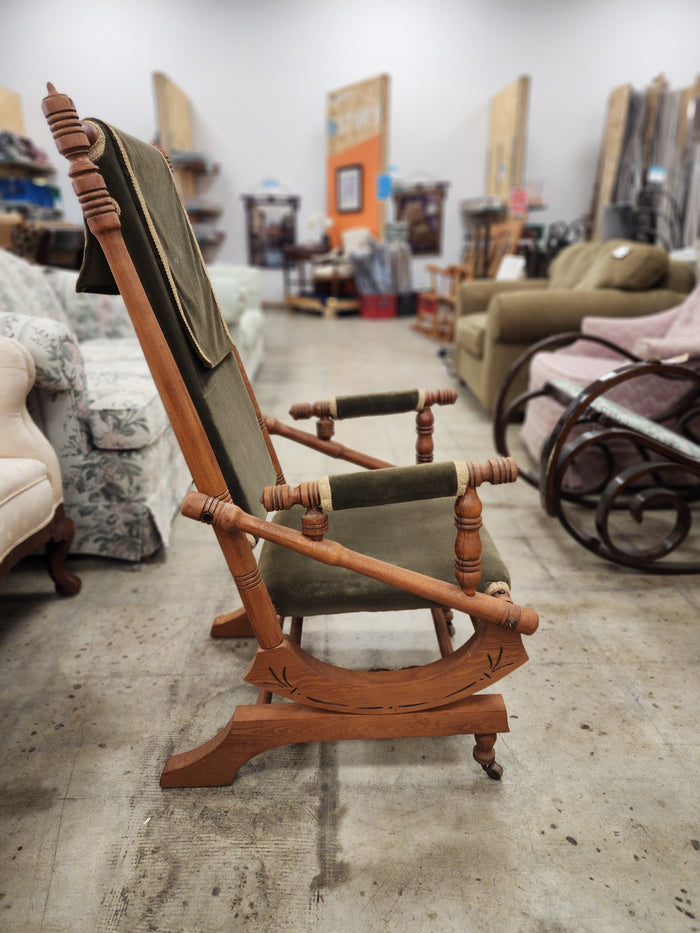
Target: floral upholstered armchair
x: 123, y: 474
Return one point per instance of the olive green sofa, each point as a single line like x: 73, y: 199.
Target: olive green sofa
x: 499, y: 320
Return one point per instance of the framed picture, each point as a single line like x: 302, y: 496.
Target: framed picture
x: 420, y: 207
x: 348, y: 189
x: 271, y: 225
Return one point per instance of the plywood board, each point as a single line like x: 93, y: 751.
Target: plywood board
x: 174, y: 114
x: 11, y: 112
x: 507, y: 139
x: 357, y: 130
x: 610, y: 151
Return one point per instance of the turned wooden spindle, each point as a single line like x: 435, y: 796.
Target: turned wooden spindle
x: 440, y: 397
x: 468, y: 518
x: 325, y: 428
x: 283, y: 497
x: 425, y: 423
x: 468, y: 542
x: 303, y: 410
x: 314, y: 524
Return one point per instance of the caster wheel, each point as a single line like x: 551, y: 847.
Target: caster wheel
x: 494, y: 771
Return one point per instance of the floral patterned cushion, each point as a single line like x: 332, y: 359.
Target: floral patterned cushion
x: 124, y: 476
x: 25, y: 289
x: 52, y: 344
x: 124, y: 409
x: 90, y: 316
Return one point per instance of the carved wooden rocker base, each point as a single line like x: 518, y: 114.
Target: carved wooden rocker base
x: 257, y: 728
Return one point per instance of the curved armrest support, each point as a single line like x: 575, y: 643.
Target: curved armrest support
x: 389, y: 486
x: 376, y: 403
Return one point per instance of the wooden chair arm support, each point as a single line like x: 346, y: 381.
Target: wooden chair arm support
x: 323, y: 445
x: 390, y: 485
x: 377, y: 403
x: 225, y: 516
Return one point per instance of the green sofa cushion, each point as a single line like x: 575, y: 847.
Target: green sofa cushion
x: 419, y: 536
x: 628, y: 266
x: 621, y: 264
x: 569, y: 267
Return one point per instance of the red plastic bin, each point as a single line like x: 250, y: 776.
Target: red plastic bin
x: 377, y: 306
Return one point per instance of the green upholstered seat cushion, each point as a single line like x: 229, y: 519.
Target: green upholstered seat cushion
x: 418, y: 536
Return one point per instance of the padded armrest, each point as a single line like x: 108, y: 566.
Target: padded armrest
x: 526, y: 317
x: 390, y: 485
x: 378, y: 403
x: 56, y: 354
x: 474, y: 295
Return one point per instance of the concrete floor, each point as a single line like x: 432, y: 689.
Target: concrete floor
x: 594, y: 826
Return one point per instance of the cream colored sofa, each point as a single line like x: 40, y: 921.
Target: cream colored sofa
x: 31, y: 494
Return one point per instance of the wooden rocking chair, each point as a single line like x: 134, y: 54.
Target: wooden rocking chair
x: 435, y: 311
x: 389, y: 546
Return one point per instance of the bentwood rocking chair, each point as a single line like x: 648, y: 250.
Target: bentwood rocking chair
x: 389, y: 544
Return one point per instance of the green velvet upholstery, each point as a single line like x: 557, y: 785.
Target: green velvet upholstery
x: 395, y: 484
x: 419, y: 536
x: 163, y: 248
x: 379, y: 403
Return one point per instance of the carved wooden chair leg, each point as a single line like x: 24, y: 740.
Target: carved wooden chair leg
x: 57, y: 547
x: 485, y: 755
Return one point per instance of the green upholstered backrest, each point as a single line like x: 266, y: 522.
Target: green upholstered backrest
x: 163, y: 248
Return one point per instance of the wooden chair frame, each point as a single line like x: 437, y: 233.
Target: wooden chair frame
x: 323, y: 701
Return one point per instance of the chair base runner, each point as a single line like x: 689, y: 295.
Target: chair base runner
x: 232, y: 625
x: 256, y: 729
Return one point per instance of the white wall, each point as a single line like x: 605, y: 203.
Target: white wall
x: 258, y: 71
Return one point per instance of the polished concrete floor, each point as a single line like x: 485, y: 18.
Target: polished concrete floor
x: 594, y: 827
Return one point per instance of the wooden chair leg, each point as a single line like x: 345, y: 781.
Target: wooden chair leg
x: 57, y: 547
x: 443, y: 630
x: 485, y: 755
x: 258, y: 728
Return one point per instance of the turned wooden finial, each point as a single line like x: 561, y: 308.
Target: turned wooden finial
x: 72, y: 142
